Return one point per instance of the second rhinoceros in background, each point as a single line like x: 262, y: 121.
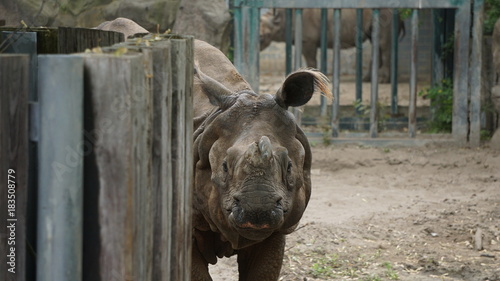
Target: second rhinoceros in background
x: 272, y: 28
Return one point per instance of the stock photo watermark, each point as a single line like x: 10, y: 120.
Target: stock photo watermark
x: 11, y: 220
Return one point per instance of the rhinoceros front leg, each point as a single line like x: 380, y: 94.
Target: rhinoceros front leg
x: 199, y: 266
x: 262, y: 262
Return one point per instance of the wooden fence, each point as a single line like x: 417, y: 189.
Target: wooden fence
x: 100, y: 156
x: 467, y: 54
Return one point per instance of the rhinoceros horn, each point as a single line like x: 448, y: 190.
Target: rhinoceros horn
x: 259, y: 154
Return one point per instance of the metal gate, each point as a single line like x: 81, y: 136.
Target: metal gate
x: 467, y: 54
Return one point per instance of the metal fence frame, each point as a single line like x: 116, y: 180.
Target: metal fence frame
x: 467, y: 60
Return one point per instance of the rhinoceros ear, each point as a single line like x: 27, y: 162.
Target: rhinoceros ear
x: 299, y: 87
x: 215, y: 91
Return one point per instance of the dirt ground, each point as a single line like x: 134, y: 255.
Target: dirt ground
x: 421, y: 213
x: 394, y: 213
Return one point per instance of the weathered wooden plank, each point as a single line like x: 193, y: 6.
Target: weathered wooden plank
x: 182, y: 71
x: 475, y: 74
x: 415, y: 4
x: 14, y: 77
x: 460, y: 124
x: 114, y: 90
x: 412, y: 111
x: 374, y: 70
x: 46, y: 38
x: 60, y: 196
x: 73, y: 40
x: 336, y: 73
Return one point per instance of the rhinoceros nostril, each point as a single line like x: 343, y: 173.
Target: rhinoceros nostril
x: 279, y: 203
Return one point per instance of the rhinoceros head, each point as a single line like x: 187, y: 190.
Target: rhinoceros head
x: 272, y: 27
x: 252, y: 160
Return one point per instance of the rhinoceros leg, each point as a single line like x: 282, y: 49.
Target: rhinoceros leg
x: 199, y: 270
x: 309, y: 50
x: 262, y: 262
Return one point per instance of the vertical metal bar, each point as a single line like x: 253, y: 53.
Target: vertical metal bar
x: 460, y: 125
x: 359, y: 57
x: 394, y: 61
x: 475, y: 78
x: 412, y: 112
x: 60, y: 200
x: 253, y: 48
x: 336, y: 73
x: 298, y: 38
x: 288, y: 40
x: 238, y: 36
x: 437, y: 45
x: 298, y: 55
x: 323, y: 55
x: 374, y: 82
x: 249, y: 67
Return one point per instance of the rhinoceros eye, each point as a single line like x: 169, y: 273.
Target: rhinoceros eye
x: 224, y: 167
x: 289, y: 168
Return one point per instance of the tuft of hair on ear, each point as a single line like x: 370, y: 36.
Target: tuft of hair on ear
x: 321, y: 83
x: 299, y: 87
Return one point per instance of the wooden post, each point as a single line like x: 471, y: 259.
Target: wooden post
x: 374, y: 70
x: 14, y: 90
x: 27, y: 43
x: 73, y: 40
x: 60, y: 196
x: 336, y: 73
x: 118, y: 102
x: 181, y: 118
x: 412, y: 109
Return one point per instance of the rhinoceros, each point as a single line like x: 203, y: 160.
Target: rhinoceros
x: 126, y: 26
x: 252, y: 162
x: 272, y: 28
x: 252, y: 166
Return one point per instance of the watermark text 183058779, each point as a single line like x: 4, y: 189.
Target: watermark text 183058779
x: 11, y: 220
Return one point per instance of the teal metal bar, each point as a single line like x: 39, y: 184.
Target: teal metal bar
x: 238, y: 37
x: 375, y: 64
x: 394, y: 61
x: 460, y: 122
x: 359, y: 57
x: 336, y: 73
x: 298, y: 38
x: 475, y: 78
x: 437, y: 45
x: 288, y: 40
x: 353, y: 4
x: 323, y: 55
x: 298, y: 55
x: 60, y: 196
x: 412, y: 112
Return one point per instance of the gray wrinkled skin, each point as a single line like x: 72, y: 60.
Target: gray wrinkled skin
x: 252, y: 166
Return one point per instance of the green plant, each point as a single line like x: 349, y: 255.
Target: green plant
x: 324, y: 267
x: 492, y: 13
x: 441, y: 97
x: 365, y: 109
x: 389, y: 272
